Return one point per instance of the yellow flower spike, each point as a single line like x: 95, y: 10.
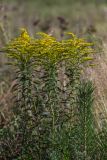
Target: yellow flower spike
x: 24, y: 34
x: 87, y: 58
x: 44, y: 35
x: 71, y: 34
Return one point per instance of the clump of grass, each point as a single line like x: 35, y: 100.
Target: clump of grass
x: 50, y: 121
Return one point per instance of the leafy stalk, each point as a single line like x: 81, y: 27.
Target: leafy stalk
x: 85, y: 132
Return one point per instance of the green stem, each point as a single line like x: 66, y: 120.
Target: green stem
x: 52, y: 94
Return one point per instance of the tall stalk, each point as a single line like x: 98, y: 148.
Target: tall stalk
x: 85, y: 133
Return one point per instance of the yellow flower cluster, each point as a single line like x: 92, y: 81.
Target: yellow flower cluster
x: 21, y: 48
x: 46, y: 48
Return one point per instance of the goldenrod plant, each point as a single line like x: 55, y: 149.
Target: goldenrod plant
x: 50, y: 122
